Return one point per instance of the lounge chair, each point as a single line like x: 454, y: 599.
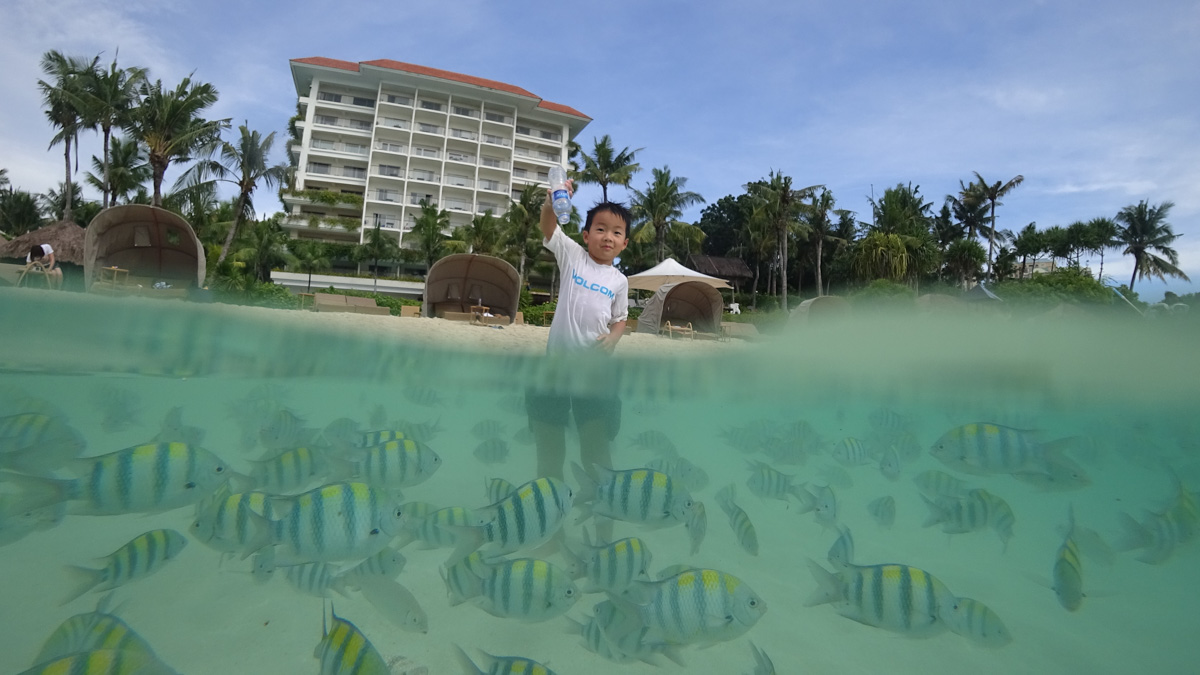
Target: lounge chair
x: 680, y: 331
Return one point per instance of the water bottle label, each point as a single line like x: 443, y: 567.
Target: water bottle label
x: 559, y: 194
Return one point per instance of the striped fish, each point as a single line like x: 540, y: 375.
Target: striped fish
x: 388, y: 564
x: 934, y: 483
x: 768, y: 483
x: 883, y: 510
x: 422, y: 432
x: 315, y: 579
x: 655, y: 441
x: 500, y: 665
x: 151, y: 477
x: 1068, y: 569
x: 491, y: 451
x: 144, y: 555
x: 824, y: 502
x: 697, y: 526
x: 696, y: 606
x: 488, y: 429
x: 897, y: 598
x: 223, y: 519
x: 439, y: 529
x: 370, y: 439
x: 91, y: 631
x: 889, y: 464
x: 395, y: 464
x: 683, y: 471
x: 743, y: 529
x: 852, y: 452
x: 462, y: 579
x: 37, y: 443
x: 102, y: 662
x: 344, y: 650
x: 985, y: 449
x: 633, y: 645
x: 17, y: 521
x: 611, y: 567
x: 841, y: 554
x: 636, y: 496
x: 340, y: 521
x: 976, y: 622
x: 977, y: 510
x: 527, y: 518
x: 497, y: 489
x: 527, y: 589
x: 289, y: 470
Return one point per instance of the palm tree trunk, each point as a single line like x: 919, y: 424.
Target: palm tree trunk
x: 660, y: 241
x: 309, y: 288
x: 819, y: 242
x: 68, y: 189
x: 375, y: 276
x: 160, y: 170
x: 604, y: 193
x: 991, y: 240
x: 1101, y: 274
x: 237, y: 221
x: 783, y: 267
x: 754, y: 288
x: 107, y: 178
x: 1136, y: 263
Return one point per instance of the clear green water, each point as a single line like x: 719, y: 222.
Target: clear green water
x: 1129, y: 388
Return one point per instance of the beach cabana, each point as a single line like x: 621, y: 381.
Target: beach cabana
x: 694, y: 302
x: 671, y: 272
x: 461, y: 281
x: 819, y: 308
x: 153, y: 244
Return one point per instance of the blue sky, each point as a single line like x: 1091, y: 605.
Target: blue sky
x: 1095, y: 103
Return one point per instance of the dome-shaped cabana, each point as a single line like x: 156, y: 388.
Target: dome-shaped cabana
x: 153, y: 244
x: 691, y: 301
x: 457, y: 282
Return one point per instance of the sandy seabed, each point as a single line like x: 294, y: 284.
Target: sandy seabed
x: 204, y: 615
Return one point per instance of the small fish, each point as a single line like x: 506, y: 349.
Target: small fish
x: 144, y: 555
x: 887, y: 421
x: 1159, y: 534
x: 1068, y: 569
x: 173, y: 430
x: 339, y: 521
x: 841, y: 554
x: 739, y: 521
x: 497, y: 489
x: 388, y: 563
x: 622, y: 647
x: 655, y: 441
x: 344, y: 650
x: 525, y: 519
x: 422, y: 432
x: 768, y: 483
x: 636, y: 495
x: 289, y: 470
x: 283, y: 429
x: 17, y: 522
x: 395, y: 602
x: 488, y: 429
x: 462, y: 579
x: 697, y: 526
x: 762, y: 662
x: 423, y: 396
x: 976, y: 622
x: 341, y: 433
x: 984, y: 449
x: 897, y: 598
x: 698, y: 606
x: 527, y: 589
x: 315, y: 579
x: 824, y: 505
x: 977, y: 510
x: 611, y: 567
x: 689, y: 475
x: 934, y: 483
x: 852, y: 452
x: 437, y: 529
x: 500, y: 665
x: 223, y: 520
x: 491, y: 451
x: 37, y: 443
x: 102, y: 662
x: 398, y: 463
x: 883, y: 510
x: 889, y: 464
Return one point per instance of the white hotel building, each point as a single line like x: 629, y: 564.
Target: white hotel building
x: 397, y: 133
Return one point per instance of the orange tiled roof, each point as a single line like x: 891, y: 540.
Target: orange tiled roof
x: 441, y: 74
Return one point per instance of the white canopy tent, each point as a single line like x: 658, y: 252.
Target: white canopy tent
x: 671, y: 272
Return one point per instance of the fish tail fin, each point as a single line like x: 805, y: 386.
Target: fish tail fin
x: 35, y: 492
x: 937, y: 513
x: 1133, y: 535
x: 725, y: 497
x: 85, y: 579
x: 470, y: 538
x: 587, y: 483
x: 262, y: 537
x: 807, y: 501
x: 829, y: 588
x: 465, y: 661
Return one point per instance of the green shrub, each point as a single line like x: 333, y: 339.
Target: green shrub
x: 1070, y: 285
x: 536, y: 313
x: 884, y: 292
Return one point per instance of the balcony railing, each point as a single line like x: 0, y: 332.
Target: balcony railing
x: 493, y: 185
x: 464, y: 134
x: 343, y: 171
x: 427, y: 176
x: 496, y: 209
x: 328, y: 121
x: 465, y: 112
x: 459, y: 181
x: 350, y: 148
x: 360, y: 101
x: 494, y: 163
x: 396, y: 148
x: 496, y: 140
x: 393, y: 123
x: 458, y: 205
x: 539, y: 134
x: 384, y: 195
x: 397, y: 99
x: 389, y: 171
x: 456, y: 156
x: 432, y: 105
x: 432, y: 153
x: 427, y: 128
x: 415, y: 200
x: 497, y: 117
x: 323, y: 222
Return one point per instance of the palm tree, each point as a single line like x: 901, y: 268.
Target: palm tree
x: 1029, y: 243
x: 781, y: 205
x: 992, y: 192
x: 881, y: 255
x: 481, y: 236
x: 969, y: 209
x: 60, y: 204
x: 4, y: 179
x: 1102, y: 236
x: 661, y: 206
x: 430, y: 233
x: 60, y: 95
x: 243, y: 164
x: 107, y: 98
x: 125, y: 171
x: 310, y: 256
x: 522, y: 233
x: 1056, y: 243
x: 264, y: 247
x: 1147, y: 233
x: 378, y: 246
x: 964, y: 260
x: 605, y: 166
x: 19, y: 212
x: 168, y: 123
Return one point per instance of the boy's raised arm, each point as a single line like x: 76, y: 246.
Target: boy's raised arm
x: 549, y: 221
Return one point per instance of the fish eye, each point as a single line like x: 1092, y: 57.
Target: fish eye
x: 189, y: 485
x: 754, y: 602
x: 570, y: 592
x: 220, y: 469
x: 375, y: 531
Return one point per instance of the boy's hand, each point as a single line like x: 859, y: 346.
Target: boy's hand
x: 608, y: 341
x: 548, y: 204
x: 548, y: 222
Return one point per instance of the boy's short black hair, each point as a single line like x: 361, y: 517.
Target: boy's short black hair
x: 616, y: 208
x: 37, y: 251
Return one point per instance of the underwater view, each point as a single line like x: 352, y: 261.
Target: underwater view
x: 189, y: 490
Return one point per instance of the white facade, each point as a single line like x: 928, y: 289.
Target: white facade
x: 396, y: 133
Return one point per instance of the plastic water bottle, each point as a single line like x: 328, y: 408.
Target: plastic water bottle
x: 558, y: 193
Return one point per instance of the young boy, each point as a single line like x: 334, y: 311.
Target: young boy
x: 43, y: 254
x: 591, y: 313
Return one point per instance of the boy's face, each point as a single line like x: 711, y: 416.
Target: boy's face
x: 606, y: 238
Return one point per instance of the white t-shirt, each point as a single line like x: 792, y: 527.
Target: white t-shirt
x: 46, y: 251
x: 591, y: 296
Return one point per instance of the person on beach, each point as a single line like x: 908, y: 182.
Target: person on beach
x: 43, y: 254
x: 590, y: 317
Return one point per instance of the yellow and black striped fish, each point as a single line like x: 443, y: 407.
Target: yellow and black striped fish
x: 747, y: 536
x: 144, y: 555
x: 501, y: 665
x: 344, y: 650
x: 1067, y: 578
x: 103, y: 662
x: 898, y: 598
